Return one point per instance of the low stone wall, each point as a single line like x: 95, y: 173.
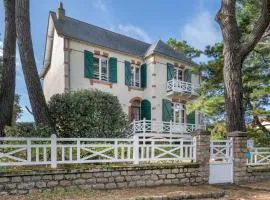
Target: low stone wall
x: 108, y: 178
x: 258, y: 173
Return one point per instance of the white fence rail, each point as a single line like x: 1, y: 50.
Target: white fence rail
x: 181, y: 86
x: 53, y: 151
x: 257, y: 155
x: 149, y: 126
x: 221, y: 151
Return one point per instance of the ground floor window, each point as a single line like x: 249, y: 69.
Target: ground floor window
x: 179, y: 113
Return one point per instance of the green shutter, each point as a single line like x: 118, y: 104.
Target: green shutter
x: 127, y: 73
x: 169, y: 71
x: 188, y: 75
x: 191, y: 118
x: 113, y: 69
x: 167, y: 111
x: 146, y: 109
x: 144, y: 76
x: 88, y: 64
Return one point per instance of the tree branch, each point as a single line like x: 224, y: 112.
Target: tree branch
x: 260, y: 27
x: 227, y: 21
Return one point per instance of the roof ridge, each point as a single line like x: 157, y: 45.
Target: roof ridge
x: 104, y: 29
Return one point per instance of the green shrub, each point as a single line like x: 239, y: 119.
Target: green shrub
x: 27, y: 129
x: 87, y: 113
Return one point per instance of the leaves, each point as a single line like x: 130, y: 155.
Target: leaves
x: 87, y: 113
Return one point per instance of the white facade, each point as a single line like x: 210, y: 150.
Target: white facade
x: 66, y: 73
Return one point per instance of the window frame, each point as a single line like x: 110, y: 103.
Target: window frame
x: 182, y: 117
x: 177, y: 69
x: 100, y: 58
x: 133, y: 75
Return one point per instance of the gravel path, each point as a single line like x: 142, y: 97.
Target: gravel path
x: 257, y: 191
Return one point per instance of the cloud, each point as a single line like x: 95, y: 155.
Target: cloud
x: 100, y: 5
x: 201, y: 31
x: 133, y: 31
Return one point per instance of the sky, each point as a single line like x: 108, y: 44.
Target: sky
x: 190, y: 20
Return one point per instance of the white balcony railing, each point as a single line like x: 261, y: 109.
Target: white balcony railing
x: 148, y: 126
x: 181, y: 86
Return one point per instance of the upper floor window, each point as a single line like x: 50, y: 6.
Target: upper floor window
x: 178, y: 74
x: 135, y: 76
x: 100, y: 68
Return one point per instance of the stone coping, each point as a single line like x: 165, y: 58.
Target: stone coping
x: 237, y: 134
x: 35, y: 170
x: 261, y: 168
x: 212, y: 195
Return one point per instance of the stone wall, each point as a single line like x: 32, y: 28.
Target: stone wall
x: 109, y: 178
x: 258, y: 173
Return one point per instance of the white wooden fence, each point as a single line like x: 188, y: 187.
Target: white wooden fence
x: 53, y: 151
x: 257, y: 155
x: 149, y: 126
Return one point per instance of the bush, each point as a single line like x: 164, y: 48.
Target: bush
x: 87, y: 113
x: 27, y: 129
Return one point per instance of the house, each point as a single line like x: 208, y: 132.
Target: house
x: 152, y: 81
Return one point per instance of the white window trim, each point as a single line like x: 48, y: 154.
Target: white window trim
x: 181, y: 107
x: 177, y: 73
x: 134, y: 75
x: 100, y: 68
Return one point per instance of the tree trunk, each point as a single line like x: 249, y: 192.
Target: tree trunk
x: 233, y: 92
x: 234, y: 53
x: 34, y: 88
x: 7, y: 84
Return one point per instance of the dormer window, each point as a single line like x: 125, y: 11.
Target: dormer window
x: 100, y: 68
x: 135, y: 76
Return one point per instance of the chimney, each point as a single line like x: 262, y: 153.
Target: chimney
x: 61, y: 11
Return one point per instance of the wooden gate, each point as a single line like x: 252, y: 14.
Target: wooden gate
x: 221, y: 162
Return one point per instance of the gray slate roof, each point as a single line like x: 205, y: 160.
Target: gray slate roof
x: 98, y: 36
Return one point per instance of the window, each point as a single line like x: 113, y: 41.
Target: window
x: 178, y: 74
x: 101, y: 68
x: 179, y: 113
x: 135, y: 76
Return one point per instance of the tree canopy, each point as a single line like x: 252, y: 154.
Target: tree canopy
x: 255, y: 77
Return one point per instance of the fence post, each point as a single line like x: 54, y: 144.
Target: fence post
x: 194, y: 148
x: 134, y: 129
x: 115, y: 150
x: 78, y: 150
x: 203, y: 153
x: 29, y: 152
x: 239, y: 149
x: 53, y: 151
x: 135, y: 149
x: 144, y: 125
x: 170, y: 126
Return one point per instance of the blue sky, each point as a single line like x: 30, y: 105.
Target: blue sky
x: 190, y: 20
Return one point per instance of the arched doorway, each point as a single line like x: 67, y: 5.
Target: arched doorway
x: 139, y: 109
x: 135, y: 109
